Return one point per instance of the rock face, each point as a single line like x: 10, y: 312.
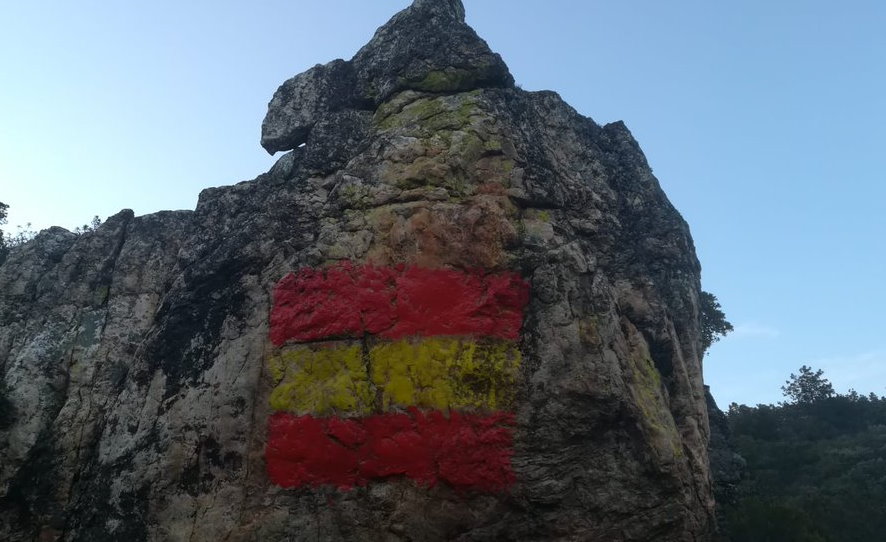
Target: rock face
x: 453, y: 310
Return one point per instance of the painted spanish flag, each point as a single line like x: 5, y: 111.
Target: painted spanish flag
x: 394, y: 371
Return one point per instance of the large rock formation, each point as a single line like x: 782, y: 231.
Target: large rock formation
x: 492, y: 332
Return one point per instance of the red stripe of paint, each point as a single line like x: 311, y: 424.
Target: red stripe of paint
x: 462, y: 450
x: 348, y: 301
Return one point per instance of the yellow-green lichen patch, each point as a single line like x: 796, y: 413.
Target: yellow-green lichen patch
x: 355, y: 195
x: 467, y: 147
x: 539, y: 215
x: 448, y: 80
x: 423, y: 171
x: 444, y: 141
x: 439, y: 81
x: 656, y: 417
x: 430, y: 115
x: 492, y: 144
x: 321, y: 380
x: 444, y: 373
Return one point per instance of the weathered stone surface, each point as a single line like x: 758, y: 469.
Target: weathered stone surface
x: 135, y: 358
x: 305, y: 100
x: 426, y: 47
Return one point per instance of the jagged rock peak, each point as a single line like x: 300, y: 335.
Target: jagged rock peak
x: 453, y: 9
x: 426, y: 47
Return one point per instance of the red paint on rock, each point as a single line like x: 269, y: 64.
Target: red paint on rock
x: 462, y: 450
x: 325, y: 303
x: 396, y: 302
x: 311, y: 456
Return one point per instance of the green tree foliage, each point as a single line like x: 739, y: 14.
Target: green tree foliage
x: 760, y: 520
x: 808, y: 386
x: 7, y: 241
x: 713, y: 322
x: 92, y: 226
x: 816, y: 467
x: 22, y: 236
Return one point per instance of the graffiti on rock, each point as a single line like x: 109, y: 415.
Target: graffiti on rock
x: 463, y: 450
x: 396, y: 302
x: 394, y: 371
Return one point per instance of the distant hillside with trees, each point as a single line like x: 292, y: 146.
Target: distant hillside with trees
x: 816, y: 465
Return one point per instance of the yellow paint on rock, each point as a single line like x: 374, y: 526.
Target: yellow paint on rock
x: 436, y: 373
x: 322, y: 380
x: 443, y: 373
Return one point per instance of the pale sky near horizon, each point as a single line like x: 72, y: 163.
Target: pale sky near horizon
x: 765, y: 123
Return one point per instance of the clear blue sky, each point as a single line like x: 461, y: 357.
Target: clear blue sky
x: 765, y: 122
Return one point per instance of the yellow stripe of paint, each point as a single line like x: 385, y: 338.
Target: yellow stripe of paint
x: 442, y: 373
x: 435, y: 373
x: 322, y: 380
